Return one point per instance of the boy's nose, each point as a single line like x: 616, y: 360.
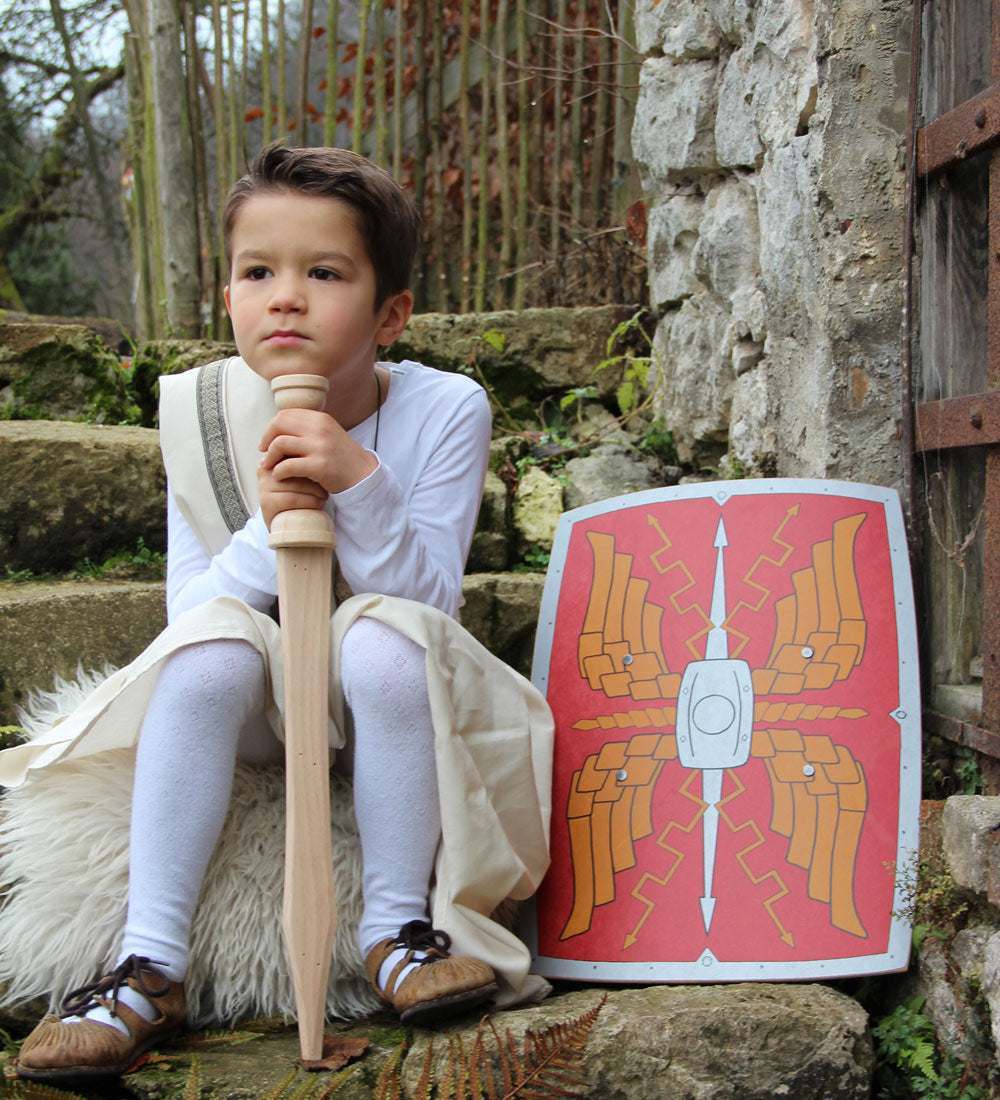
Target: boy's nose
x: 286, y: 297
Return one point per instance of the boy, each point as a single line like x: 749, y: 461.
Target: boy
x: 451, y: 749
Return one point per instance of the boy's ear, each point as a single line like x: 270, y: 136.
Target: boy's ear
x: 395, y: 313
x: 225, y: 295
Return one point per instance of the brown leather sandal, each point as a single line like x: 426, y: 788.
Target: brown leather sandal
x: 86, y: 1049
x: 441, y: 986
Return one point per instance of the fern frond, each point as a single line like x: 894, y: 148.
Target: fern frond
x: 335, y: 1084
x: 206, y: 1040
x: 387, y: 1085
x: 305, y: 1088
x: 462, y: 1074
x: 446, y: 1086
x: 192, y: 1087
x: 424, y: 1084
x: 478, y: 1061
x: 507, y: 1052
x: 279, y: 1089
x: 553, y: 1059
x: 15, y: 1089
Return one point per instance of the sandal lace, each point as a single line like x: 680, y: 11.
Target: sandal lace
x: 77, y: 1002
x: 418, y: 935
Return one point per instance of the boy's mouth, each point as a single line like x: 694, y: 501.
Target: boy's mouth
x: 285, y: 338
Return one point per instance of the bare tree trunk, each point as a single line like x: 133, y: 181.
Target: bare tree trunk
x: 381, y: 125
x: 555, y: 193
x: 175, y: 170
x: 397, y: 91
x: 219, y: 103
x: 482, y: 242
x: 138, y: 209
x: 241, y: 106
x: 503, y: 156
x: 232, y: 97
x: 440, y: 291
x: 627, y: 84
x: 359, y: 76
x: 332, y: 105
x: 576, y: 138
x: 207, y: 262
x: 602, y: 118
x: 302, y: 86
x: 465, y: 296
x: 282, y: 73
x: 265, y: 73
x: 422, y: 146
x: 153, y: 224
x: 523, y: 183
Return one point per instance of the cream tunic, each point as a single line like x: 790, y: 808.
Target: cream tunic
x: 493, y: 730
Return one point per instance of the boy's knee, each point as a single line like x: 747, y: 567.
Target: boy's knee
x: 378, y: 659
x: 229, y: 662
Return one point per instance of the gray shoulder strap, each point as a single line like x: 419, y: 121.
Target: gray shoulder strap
x: 217, y: 446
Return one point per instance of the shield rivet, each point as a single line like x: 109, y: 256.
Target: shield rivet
x: 627, y: 659
x: 621, y: 775
x: 808, y: 769
x: 808, y: 651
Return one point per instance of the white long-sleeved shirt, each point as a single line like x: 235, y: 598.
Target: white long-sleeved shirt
x: 404, y: 530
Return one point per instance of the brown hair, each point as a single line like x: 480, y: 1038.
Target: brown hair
x: 386, y: 216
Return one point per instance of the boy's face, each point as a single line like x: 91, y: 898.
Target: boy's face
x: 302, y: 289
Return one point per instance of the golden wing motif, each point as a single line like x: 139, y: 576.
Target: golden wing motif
x: 619, y: 649
x: 609, y: 808
x: 821, y: 629
x: 819, y: 799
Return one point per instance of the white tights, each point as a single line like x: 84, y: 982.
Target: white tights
x: 206, y: 711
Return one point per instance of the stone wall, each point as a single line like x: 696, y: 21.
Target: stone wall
x: 770, y: 138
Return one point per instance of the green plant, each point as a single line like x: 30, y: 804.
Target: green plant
x: 909, y: 1063
x: 967, y: 771
x: 138, y: 564
x: 635, y: 368
x: 20, y: 576
x: 658, y: 440
x: 576, y: 396
x: 535, y: 560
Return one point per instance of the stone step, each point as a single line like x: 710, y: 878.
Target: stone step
x: 74, y: 371
x: 753, y: 1042
x: 47, y: 629
x: 76, y: 491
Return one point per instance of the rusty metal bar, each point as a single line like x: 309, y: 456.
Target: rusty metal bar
x: 972, y: 421
x: 962, y: 733
x: 907, y: 423
x: 971, y: 128
x: 991, y: 503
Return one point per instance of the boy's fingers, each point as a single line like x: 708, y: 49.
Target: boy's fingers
x: 303, y: 486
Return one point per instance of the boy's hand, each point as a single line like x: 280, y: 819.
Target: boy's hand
x: 306, y: 456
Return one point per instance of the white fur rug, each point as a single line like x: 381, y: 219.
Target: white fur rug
x: 64, y: 864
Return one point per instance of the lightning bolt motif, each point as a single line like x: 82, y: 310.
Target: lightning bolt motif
x: 677, y: 593
x: 755, y: 880
x: 765, y: 592
x: 632, y: 937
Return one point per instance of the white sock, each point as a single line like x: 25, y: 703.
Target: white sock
x: 385, y: 970
x: 183, y: 778
x: 127, y: 996
x: 395, y: 777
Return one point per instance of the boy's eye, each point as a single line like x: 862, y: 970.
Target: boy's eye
x: 324, y: 273
x: 257, y: 273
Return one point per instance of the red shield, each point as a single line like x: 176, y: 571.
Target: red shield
x: 732, y: 669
